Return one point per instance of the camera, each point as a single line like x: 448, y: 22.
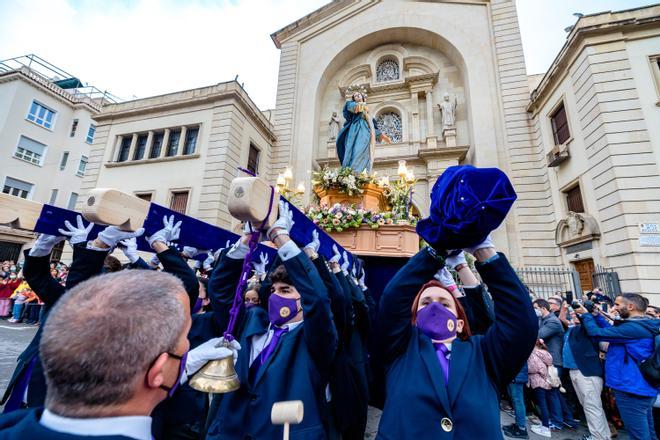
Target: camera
x: 589, y: 305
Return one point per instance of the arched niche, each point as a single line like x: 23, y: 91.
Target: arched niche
x: 419, y: 52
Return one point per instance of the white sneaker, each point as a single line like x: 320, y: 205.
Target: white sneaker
x: 541, y: 430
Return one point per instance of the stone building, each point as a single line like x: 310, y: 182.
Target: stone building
x: 46, y: 132
x: 595, y: 118
x: 181, y: 150
x: 581, y: 143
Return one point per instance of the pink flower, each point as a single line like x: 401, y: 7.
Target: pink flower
x: 338, y: 215
x: 349, y: 217
x: 335, y: 221
x: 381, y: 221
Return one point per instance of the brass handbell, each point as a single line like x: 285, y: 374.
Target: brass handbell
x: 217, y: 376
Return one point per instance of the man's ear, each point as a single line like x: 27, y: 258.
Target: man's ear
x: 155, y: 377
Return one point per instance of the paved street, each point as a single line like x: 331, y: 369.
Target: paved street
x: 13, y: 340
x: 15, y: 337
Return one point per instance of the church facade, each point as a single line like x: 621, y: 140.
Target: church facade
x: 591, y: 123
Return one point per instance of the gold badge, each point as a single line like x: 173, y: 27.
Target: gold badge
x: 285, y: 312
x: 450, y: 325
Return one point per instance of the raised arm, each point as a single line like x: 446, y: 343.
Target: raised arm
x: 510, y: 339
x: 319, y: 329
x: 394, y: 321
x: 36, y: 270
x: 223, y: 282
x: 612, y: 333
x: 339, y: 303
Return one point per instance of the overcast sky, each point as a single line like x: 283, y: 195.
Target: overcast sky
x: 139, y: 48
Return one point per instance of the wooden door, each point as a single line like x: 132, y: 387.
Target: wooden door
x: 585, y: 269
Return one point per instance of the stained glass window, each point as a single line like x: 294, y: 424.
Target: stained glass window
x: 389, y: 123
x: 387, y: 70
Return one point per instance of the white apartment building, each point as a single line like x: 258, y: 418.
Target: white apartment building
x: 46, y: 132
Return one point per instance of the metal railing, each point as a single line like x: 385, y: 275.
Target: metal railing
x: 52, y: 74
x: 545, y: 282
x: 607, y: 280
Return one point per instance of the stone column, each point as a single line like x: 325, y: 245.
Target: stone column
x: 131, y: 151
x: 147, y: 148
x: 166, y: 140
x: 415, y: 134
x: 182, y: 141
x: 431, y: 139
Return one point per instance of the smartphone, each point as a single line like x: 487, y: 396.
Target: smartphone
x: 604, y: 306
x: 569, y: 297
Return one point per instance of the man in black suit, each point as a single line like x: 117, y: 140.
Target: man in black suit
x: 112, y: 349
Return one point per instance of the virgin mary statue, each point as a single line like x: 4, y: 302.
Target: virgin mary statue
x: 357, y: 138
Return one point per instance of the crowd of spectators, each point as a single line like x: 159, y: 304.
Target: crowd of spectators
x: 18, y: 302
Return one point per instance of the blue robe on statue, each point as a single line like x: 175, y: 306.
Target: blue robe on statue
x: 354, y: 140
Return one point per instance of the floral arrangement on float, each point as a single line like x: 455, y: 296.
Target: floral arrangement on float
x: 339, y: 217
x: 343, y: 180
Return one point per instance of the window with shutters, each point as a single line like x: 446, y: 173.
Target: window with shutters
x: 90, y: 134
x: 41, y: 115
x: 53, y: 197
x: 140, y: 146
x: 82, y: 165
x: 253, y: 159
x: 173, y: 143
x: 156, y: 144
x: 574, y: 199
x: 74, y: 127
x: 17, y: 188
x: 30, y: 150
x: 179, y: 201
x: 191, y: 141
x: 63, y: 161
x: 124, y: 148
x: 73, y: 199
x: 559, y: 122
x: 146, y: 196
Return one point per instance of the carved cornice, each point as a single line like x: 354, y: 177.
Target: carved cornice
x: 576, y: 228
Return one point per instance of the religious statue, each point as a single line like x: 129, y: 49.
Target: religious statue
x: 448, y: 111
x: 357, y: 138
x: 333, y: 126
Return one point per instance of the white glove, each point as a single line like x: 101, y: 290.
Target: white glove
x: 113, y: 235
x: 197, y: 265
x: 170, y: 231
x: 213, y: 349
x: 361, y: 280
x: 216, y: 254
x: 208, y: 262
x: 337, y: 256
x: 191, y: 252
x: 155, y: 262
x: 130, y: 249
x: 487, y: 243
x: 284, y: 221
x: 445, y: 278
x: 44, y: 245
x: 345, y: 264
x: 260, y: 268
x: 76, y: 234
x: 456, y: 260
x: 315, y: 244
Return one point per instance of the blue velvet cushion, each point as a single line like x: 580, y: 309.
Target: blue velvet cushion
x: 467, y: 203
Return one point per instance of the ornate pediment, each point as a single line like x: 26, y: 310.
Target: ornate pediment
x: 576, y: 228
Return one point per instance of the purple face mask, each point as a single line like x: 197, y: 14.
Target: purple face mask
x: 281, y: 310
x: 436, y: 321
x: 182, y: 368
x: 198, y: 305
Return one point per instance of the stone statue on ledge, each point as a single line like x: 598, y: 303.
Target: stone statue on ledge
x: 333, y: 126
x: 448, y: 112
